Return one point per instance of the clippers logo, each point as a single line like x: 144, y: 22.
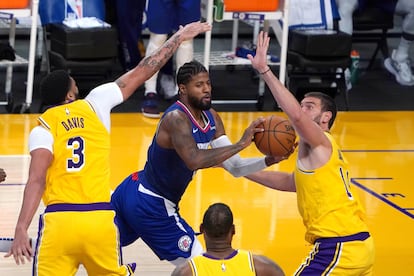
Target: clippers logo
x: 184, y: 243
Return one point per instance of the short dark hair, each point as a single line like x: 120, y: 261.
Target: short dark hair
x: 54, y: 87
x: 188, y: 70
x: 327, y: 104
x: 217, y: 220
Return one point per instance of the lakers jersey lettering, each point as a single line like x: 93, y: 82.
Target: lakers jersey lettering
x: 74, y: 122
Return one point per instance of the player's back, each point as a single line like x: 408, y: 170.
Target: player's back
x: 79, y: 172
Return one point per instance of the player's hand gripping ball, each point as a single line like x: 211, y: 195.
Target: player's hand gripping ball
x: 278, y: 137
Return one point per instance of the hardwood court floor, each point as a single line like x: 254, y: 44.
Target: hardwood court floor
x: 378, y: 145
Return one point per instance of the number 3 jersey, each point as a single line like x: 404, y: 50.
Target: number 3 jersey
x: 80, y: 170
x: 326, y: 201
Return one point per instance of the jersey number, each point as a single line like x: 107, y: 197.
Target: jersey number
x: 77, y: 160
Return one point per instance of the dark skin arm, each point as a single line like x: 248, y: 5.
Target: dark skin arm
x: 130, y: 81
x: 174, y: 132
x: 270, y: 160
x: 182, y: 270
x: 266, y: 267
x: 40, y: 162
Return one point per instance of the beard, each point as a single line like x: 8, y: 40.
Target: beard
x: 199, y: 103
x: 317, y: 119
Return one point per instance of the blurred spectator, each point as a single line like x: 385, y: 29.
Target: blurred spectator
x: 164, y: 17
x: 399, y: 62
x: 127, y: 15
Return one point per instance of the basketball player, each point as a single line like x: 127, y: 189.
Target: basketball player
x: 163, y: 18
x: 3, y: 175
x: 70, y: 168
x: 146, y: 202
x: 331, y: 212
x: 399, y: 63
x: 220, y: 256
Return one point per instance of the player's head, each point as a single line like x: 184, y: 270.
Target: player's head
x: 218, y: 222
x: 194, y: 85
x: 58, y: 87
x: 321, y: 107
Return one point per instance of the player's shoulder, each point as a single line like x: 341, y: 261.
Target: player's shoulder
x: 265, y: 266
x: 173, y: 120
x: 214, y: 112
x: 182, y: 270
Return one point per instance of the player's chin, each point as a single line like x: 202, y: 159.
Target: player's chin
x: 206, y: 102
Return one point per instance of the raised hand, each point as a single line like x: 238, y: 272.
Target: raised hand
x: 191, y: 30
x: 259, y: 61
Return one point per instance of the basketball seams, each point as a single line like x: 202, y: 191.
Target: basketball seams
x: 280, y: 143
x: 276, y: 139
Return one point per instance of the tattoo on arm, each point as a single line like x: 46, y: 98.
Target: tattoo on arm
x: 159, y: 58
x: 120, y: 83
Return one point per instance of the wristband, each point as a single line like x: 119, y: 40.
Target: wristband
x: 262, y: 73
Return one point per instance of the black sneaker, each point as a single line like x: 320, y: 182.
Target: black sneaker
x: 150, y: 106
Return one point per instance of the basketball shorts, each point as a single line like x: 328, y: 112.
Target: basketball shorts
x: 74, y: 234
x: 165, y: 16
x: 350, y: 255
x: 141, y: 213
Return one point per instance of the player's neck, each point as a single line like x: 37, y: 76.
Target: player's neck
x: 196, y: 113
x: 219, y: 250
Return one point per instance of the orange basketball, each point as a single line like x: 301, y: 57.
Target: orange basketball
x: 278, y: 136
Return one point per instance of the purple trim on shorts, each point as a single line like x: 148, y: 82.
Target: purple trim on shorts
x: 362, y: 236
x: 67, y: 207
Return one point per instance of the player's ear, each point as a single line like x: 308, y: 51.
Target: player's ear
x: 181, y: 89
x: 70, y: 96
x: 326, y: 116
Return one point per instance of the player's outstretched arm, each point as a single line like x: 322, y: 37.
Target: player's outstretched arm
x: 308, y: 130
x: 132, y: 80
x: 281, y: 181
x: 174, y: 132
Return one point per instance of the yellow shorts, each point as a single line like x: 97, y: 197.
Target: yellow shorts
x: 352, y: 255
x: 70, y: 238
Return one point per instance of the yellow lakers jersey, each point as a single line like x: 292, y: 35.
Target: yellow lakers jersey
x: 239, y: 264
x: 328, y: 204
x: 79, y: 172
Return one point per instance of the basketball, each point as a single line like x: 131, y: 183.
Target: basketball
x: 278, y: 137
